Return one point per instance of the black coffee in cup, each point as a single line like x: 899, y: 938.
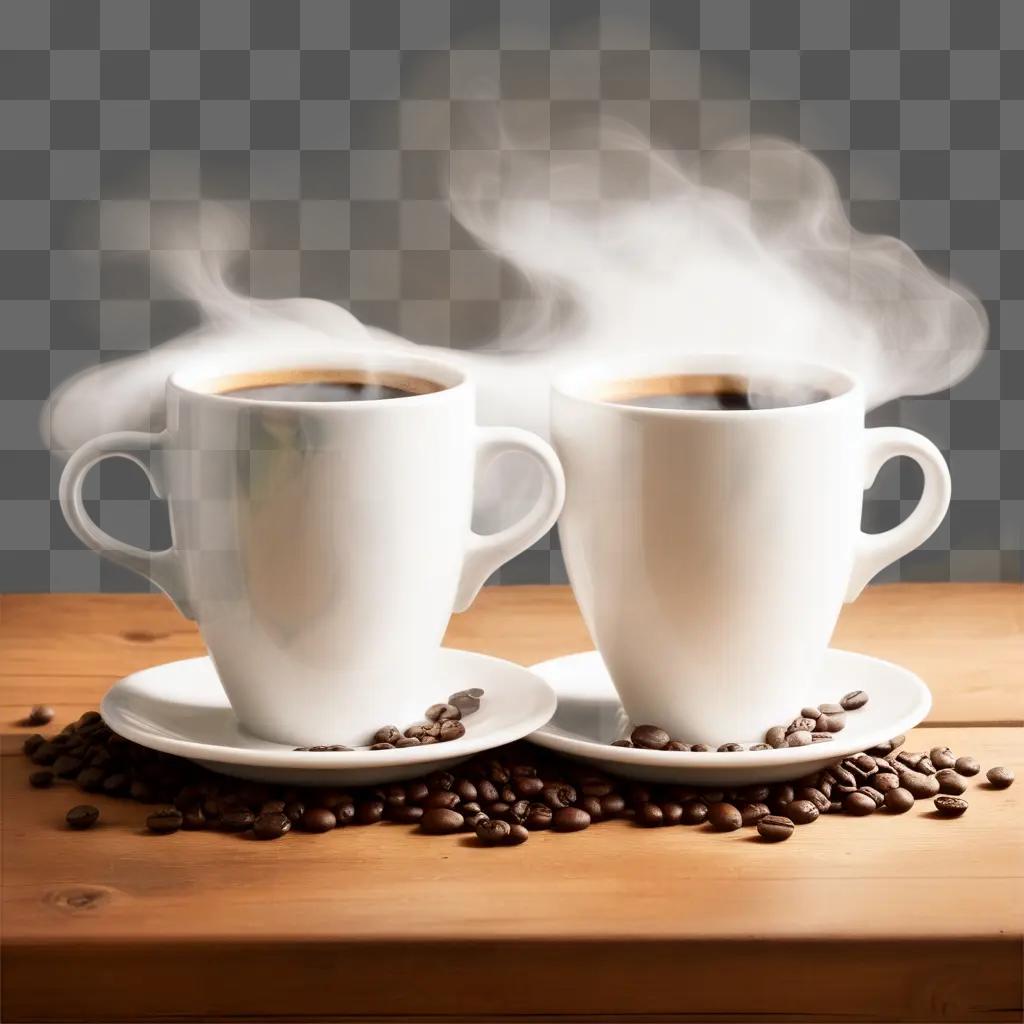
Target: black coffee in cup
x: 715, y: 392
x: 323, y: 386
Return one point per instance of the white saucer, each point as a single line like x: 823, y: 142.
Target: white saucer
x: 590, y: 716
x: 181, y: 708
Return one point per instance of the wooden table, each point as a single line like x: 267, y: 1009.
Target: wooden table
x: 885, y: 918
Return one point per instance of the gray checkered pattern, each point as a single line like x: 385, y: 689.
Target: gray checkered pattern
x: 329, y: 124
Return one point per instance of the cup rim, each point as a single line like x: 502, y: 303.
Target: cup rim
x: 579, y: 383
x: 447, y: 376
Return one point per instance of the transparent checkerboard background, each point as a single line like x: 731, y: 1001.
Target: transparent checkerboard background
x: 326, y: 123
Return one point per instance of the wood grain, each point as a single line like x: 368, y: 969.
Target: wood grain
x: 909, y: 918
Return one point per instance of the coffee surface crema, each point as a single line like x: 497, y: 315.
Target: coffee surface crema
x: 323, y: 386
x: 714, y: 392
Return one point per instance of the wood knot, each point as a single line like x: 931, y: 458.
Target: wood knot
x: 77, y: 899
x: 143, y: 636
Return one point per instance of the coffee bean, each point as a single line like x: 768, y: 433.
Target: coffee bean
x: 193, y: 820
x: 32, y: 744
x: 821, y: 737
x: 678, y: 746
x: 117, y: 784
x: 830, y: 709
x: 695, y: 813
x: 920, y: 786
x: 538, y: 817
x: 801, y: 724
x: 517, y: 835
x: 317, y: 819
x: 774, y: 828
x: 82, y: 816
x: 776, y: 736
x: 387, y: 734
x: 382, y: 746
x: 967, y: 766
x: 874, y: 794
x: 442, y: 713
x: 451, y: 730
x: 950, y: 806
x: 42, y: 779
x: 925, y: 765
x: 407, y: 741
x: 40, y: 714
x: 942, y: 757
x: 671, y: 811
x: 271, y: 825
x: 724, y: 817
x: 700, y: 748
x: 751, y: 814
x: 465, y: 701
x: 854, y: 700
x: 238, y: 820
x: 1000, y: 778
x: 165, y: 820
x: 650, y: 816
x: 45, y: 754
x: 272, y: 807
x: 801, y: 812
x: 368, y: 812
x: 439, y: 821
x: 885, y: 783
x: 441, y: 798
x: 810, y: 712
x: 569, y: 819
x: 558, y: 795
x: 492, y: 832
x: 899, y: 801
x: 813, y: 795
x: 950, y: 782
x: 834, y: 722
x: 763, y: 746
x: 800, y: 738
x: 622, y: 743
x: 405, y: 814
x: 859, y: 804
x: 612, y: 805
x: 649, y: 737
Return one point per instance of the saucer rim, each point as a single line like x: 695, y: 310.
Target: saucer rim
x: 714, y: 759
x: 283, y: 757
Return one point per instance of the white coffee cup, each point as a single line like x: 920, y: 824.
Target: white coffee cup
x: 320, y: 546
x: 711, y: 551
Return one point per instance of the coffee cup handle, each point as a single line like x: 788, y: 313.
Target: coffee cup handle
x: 162, y: 567
x: 877, y: 550
x: 487, y: 552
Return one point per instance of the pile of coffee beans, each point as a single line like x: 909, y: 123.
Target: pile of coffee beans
x: 500, y: 797
x: 812, y: 725
x: 443, y: 723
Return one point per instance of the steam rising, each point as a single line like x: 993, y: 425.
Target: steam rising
x: 749, y: 250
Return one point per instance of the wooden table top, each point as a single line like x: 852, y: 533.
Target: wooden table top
x: 884, y: 918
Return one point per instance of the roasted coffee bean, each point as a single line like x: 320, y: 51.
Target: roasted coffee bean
x: 517, y: 835
x: 32, y: 744
x: 91, y: 780
x: 753, y: 813
x: 117, y: 784
x: 393, y: 796
x: 810, y: 712
x: 730, y: 748
x: 700, y: 748
x: 406, y: 814
x: 830, y: 709
x: 595, y: 786
x: 622, y: 743
x: 967, y: 766
x: 165, y: 820
x: 950, y: 806
x: 821, y: 737
x: 466, y: 791
x: 486, y: 792
x: 695, y: 812
x: 649, y: 737
x: 40, y: 714
x: 442, y: 713
x: 776, y: 736
x: 942, y: 757
x: 42, y: 779
x: 672, y: 811
x: 517, y: 812
x: 317, y: 819
x: 638, y: 794
x: 999, y: 777
x: 774, y: 828
x: 439, y: 821
x: 950, y: 783
x: 82, y: 816
x: 751, y: 794
x: 854, y: 700
x: 451, y: 730
x: 193, y: 820
x: 874, y: 794
x: 238, y: 820
x: 781, y: 794
x: 801, y: 812
x: 498, y: 809
x: 843, y: 776
x: 800, y: 738
x: 678, y: 746
x: 899, y: 801
x: 387, y: 734
x: 765, y: 746
x: 859, y: 804
x: 612, y: 805
x: 884, y: 767
x: 295, y: 809
x: 382, y: 746
x: 885, y: 783
x: 558, y: 795
x: 465, y: 701
x: 527, y: 787
x: 45, y: 754
x: 271, y: 825
x: 813, y: 795
x: 272, y: 807
x: 925, y: 765
x: 724, y: 817
x: 492, y: 832
x: 862, y: 763
x: 801, y: 724
x: 508, y: 795
x: 406, y: 741
x: 441, y: 798
x: 539, y: 817
x: 368, y: 812
x: 67, y: 766
x: 909, y: 759
x: 650, y: 816
x: 592, y: 805
x: 833, y: 722
x: 921, y: 786
x: 569, y: 819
